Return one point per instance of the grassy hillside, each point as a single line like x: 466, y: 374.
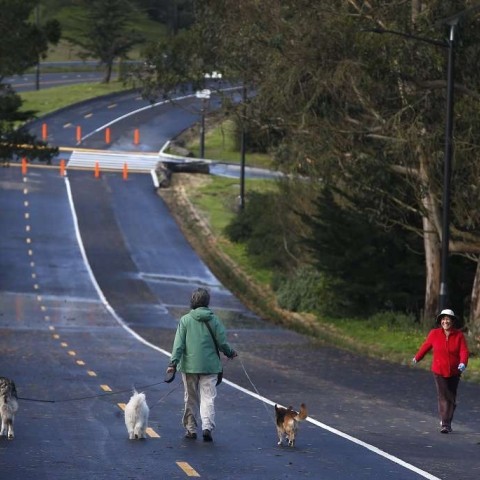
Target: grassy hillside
x: 68, y: 14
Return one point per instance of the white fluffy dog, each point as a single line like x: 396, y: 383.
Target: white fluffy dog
x: 136, y: 416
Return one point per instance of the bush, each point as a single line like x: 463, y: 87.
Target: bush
x: 393, y: 320
x: 259, y: 226
x: 310, y: 291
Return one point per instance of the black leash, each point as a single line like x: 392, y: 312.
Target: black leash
x: 75, y: 399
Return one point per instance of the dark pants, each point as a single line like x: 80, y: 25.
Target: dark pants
x: 447, y: 396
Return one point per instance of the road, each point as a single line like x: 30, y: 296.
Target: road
x: 94, y: 276
x: 27, y: 82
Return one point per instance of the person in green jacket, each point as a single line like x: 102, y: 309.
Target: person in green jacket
x: 195, y: 355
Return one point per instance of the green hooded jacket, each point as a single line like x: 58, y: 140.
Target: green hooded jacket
x: 193, y: 348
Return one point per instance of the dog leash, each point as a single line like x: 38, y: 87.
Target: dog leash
x: 165, y: 396
x: 74, y: 399
x: 269, y: 413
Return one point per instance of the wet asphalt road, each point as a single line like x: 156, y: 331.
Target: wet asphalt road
x: 61, y: 339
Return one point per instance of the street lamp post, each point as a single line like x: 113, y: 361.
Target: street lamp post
x: 243, y: 150
x: 37, y: 66
x: 447, y: 171
x: 448, y: 153
x: 204, y: 96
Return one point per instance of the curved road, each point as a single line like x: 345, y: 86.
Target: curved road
x: 94, y: 275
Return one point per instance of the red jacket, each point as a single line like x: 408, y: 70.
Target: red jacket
x: 448, y: 352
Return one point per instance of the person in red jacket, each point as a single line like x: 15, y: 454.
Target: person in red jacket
x: 450, y: 359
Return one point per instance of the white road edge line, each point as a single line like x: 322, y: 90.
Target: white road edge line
x: 120, y: 321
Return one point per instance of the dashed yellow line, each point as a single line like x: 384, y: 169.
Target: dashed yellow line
x: 80, y: 362
x: 64, y: 344
x: 72, y: 353
x: 91, y: 373
x: 152, y: 433
x: 55, y: 336
x: 105, y: 388
x: 188, y: 469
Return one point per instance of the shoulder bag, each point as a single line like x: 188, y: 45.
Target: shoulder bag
x: 220, y: 374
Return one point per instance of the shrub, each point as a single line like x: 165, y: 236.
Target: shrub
x: 308, y: 290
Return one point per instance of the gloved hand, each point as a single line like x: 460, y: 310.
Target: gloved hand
x: 414, y: 361
x: 170, y: 373
x: 461, y: 367
x: 233, y: 355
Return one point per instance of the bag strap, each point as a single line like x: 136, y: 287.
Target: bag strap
x: 213, y: 337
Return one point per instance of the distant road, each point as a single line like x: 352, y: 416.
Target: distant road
x: 27, y: 82
x: 48, y: 79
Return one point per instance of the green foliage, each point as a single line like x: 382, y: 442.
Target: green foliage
x: 261, y: 224
x: 308, y: 290
x: 392, y: 320
x: 23, y: 43
x: 372, y: 266
x: 103, y: 30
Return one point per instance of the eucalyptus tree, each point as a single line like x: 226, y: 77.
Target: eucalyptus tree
x: 361, y: 111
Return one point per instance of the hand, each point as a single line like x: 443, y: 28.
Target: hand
x: 414, y: 361
x: 170, y: 373
x: 461, y: 367
x: 233, y: 355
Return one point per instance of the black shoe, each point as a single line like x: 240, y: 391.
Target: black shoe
x: 207, y: 436
x: 445, y: 430
x: 191, y: 435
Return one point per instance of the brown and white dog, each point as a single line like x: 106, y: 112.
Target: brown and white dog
x: 287, y: 422
x: 8, y: 406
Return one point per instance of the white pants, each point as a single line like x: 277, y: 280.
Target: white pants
x: 200, y: 393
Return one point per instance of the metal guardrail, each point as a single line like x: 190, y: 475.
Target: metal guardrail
x: 115, y: 161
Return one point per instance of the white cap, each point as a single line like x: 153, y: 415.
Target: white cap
x: 447, y: 312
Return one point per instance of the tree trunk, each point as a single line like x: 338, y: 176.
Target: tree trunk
x: 474, y: 320
x: 432, y: 271
x: 108, y: 72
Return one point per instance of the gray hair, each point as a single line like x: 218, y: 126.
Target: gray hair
x: 200, y: 298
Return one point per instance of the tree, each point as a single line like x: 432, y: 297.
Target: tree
x: 22, y: 44
x: 176, y: 14
x: 349, y: 103
x: 103, y: 30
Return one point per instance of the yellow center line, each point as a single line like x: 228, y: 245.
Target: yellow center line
x: 64, y: 344
x: 121, y: 406
x: 91, y: 373
x: 55, y: 336
x: 152, y: 433
x: 72, y: 353
x: 105, y: 388
x: 80, y: 362
x: 188, y: 469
